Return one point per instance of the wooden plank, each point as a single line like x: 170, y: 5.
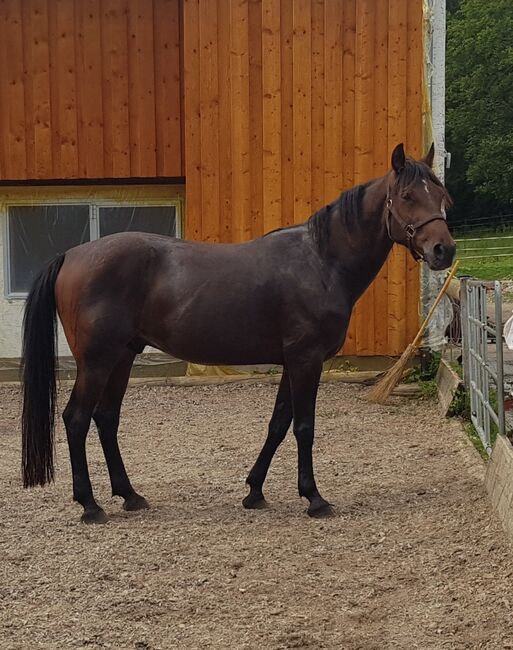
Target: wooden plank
x: 287, y: 130
x: 15, y: 163
x: 364, y: 91
x: 240, y: 121
x: 414, y: 132
x: 364, y: 148
x: 28, y: 87
x: 4, y: 92
x: 55, y: 131
x: 333, y: 135
x: 255, y: 227
x: 166, y: 24
x: 415, y: 80
x: 80, y: 83
x: 318, y: 105
x: 181, y: 68
x: 302, y: 109
x: 142, y: 89
x: 381, y: 161
x: 348, y: 81
x: 448, y: 383
x: 40, y: 62
x: 348, y: 125
x: 89, y: 83
x: 397, y: 80
x: 134, y: 92
x: 209, y: 118
x: 225, y: 123
x: 192, y: 149
x: 63, y: 88
x: 271, y: 99
x: 115, y: 88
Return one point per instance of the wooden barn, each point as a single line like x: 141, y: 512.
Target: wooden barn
x: 216, y: 120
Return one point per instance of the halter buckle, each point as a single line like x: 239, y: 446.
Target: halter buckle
x: 410, y: 231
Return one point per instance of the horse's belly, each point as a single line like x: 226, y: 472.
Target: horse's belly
x: 204, y: 342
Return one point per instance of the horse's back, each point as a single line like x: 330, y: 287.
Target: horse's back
x: 198, y: 301
x: 216, y: 303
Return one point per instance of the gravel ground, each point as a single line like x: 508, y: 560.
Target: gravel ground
x: 412, y: 559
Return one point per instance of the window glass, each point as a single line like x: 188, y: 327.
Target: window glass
x: 37, y: 234
x: 160, y: 220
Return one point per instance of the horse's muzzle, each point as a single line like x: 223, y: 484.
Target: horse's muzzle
x: 441, y: 256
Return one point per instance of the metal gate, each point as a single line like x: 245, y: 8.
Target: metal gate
x: 483, y: 357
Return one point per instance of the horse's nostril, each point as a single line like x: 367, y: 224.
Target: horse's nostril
x: 438, y: 251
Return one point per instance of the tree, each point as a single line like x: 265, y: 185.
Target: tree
x: 480, y: 104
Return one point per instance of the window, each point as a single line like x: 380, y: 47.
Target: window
x: 37, y: 233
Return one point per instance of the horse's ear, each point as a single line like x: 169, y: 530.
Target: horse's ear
x: 398, y: 158
x: 430, y: 156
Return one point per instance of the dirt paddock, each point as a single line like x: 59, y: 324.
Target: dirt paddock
x: 412, y: 559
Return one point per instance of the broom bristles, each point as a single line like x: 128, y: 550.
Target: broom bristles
x: 383, y: 389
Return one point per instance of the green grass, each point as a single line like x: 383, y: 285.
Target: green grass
x: 428, y: 389
x: 490, y: 267
x: 460, y: 407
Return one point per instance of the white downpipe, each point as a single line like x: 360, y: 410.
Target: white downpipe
x: 435, y: 12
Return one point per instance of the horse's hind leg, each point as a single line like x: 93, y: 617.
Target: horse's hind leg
x: 77, y: 418
x: 278, y: 427
x: 106, y: 417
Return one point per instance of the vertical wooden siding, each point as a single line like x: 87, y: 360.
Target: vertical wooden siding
x: 289, y: 103
x: 89, y: 89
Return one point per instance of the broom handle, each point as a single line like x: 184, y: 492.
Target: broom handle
x: 424, y: 325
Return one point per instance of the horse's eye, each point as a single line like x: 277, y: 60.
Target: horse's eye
x: 407, y: 197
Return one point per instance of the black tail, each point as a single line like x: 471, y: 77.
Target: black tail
x: 38, y: 373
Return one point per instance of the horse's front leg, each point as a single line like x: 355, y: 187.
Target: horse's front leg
x: 278, y: 427
x: 304, y: 376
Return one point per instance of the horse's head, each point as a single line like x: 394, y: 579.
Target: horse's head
x: 415, y: 210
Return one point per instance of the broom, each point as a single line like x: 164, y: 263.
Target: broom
x: 382, y: 390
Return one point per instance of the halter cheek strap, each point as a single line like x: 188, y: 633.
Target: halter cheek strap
x: 410, y: 229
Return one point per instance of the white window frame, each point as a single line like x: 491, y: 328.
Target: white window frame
x: 94, y: 224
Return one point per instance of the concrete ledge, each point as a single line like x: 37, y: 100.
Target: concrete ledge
x: 499, y: 482
x: 158, y: 365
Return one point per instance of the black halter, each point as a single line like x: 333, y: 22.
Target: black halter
x: 410, y: 229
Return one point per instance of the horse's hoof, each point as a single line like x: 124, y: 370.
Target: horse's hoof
x: 319, y: 508
x: 135, y: 502
x: 94, y: 517
x: 254, y: 502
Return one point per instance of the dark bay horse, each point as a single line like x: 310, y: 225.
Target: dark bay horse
x: 285, y: 298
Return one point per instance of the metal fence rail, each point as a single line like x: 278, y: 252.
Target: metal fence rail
x: 482, y: 370
x: 485, y: 246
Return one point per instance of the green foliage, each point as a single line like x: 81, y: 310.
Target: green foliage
x: 460, y: 405
x: 417, y: 373
x: 479, y: 113
x: 475, y: 439
x: 428, y: 389
x: 425, y: 378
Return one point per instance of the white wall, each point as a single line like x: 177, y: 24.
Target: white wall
x: 11, y: 311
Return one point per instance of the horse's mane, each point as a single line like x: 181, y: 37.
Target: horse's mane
x: 349, y: 202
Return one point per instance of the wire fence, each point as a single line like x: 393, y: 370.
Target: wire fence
x: 482, y: 237
x: 483, y: 364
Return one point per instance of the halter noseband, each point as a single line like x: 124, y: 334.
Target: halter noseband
x: 410, y: 229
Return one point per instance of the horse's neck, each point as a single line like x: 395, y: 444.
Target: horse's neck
x: 362, y: 248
